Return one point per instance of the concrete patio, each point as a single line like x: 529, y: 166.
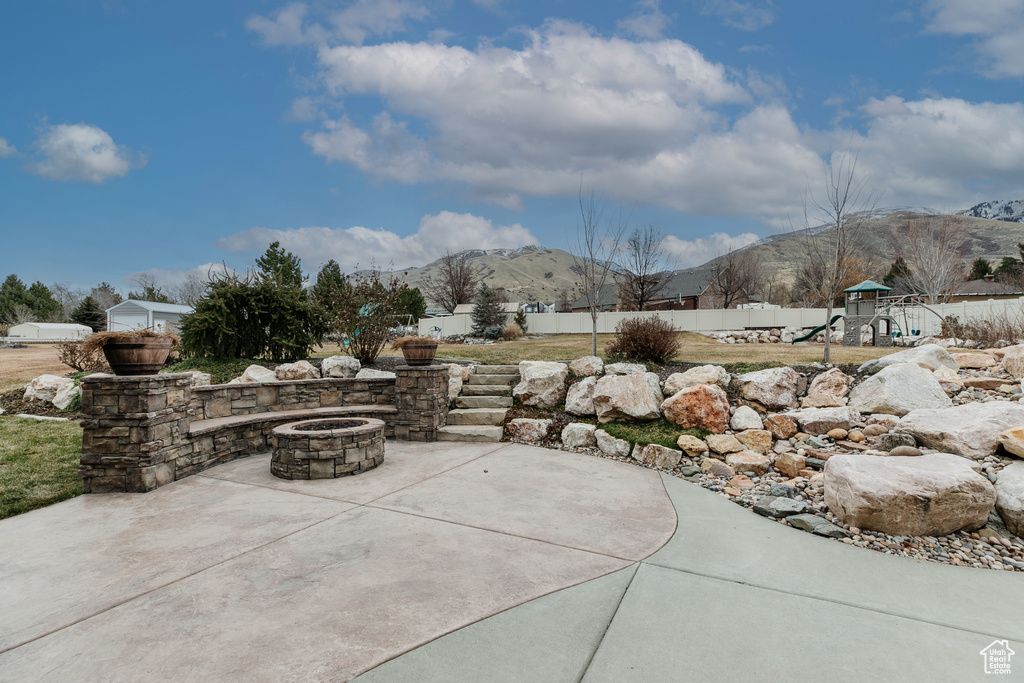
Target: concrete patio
x: 471, y: 562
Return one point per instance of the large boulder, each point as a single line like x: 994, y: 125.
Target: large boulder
x: 705, y: 374
x: 65, y: 396
x: 976, y: 361
x: 45, y: 387
x: 823, y: 420
x: 691, y: 445
x: 371, y: 373
x: 658, y: 456
x: 302, y: 369
x: 757, y: 440
x: 340, y: 366
x: 543, y: 383
x: 748, y: 461
x: 625, y: 397
x: 624, y: 369
x: 745, y: 417
x: 833, y: 382
x: 971, y: 429
x: 1010, y: 497
x: 587, y: 366
x: 527, y: 429
x: 781, y: 426
x: 579, y: 435
x: 654, y: 382
x: 949, y: 380
x: 580, y: 398
x: 723, y: 443
x: 1013, y: 360
x: 931, y: 355
x: 897, y: 390
x: 610, y: 445
x: 704, y: 406
x: 774, y: 388
x: 927, y: 495
x: 1012, y: 440
x: 255, y: 373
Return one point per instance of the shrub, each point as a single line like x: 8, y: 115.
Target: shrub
x: 520, y: 320
x: 492, y: 332
x: 511, y: 331
x: 74, y: 355
x: 1001, y: 329
x: 487, y: 312
x: 644, y: 339
x: 364, y: 312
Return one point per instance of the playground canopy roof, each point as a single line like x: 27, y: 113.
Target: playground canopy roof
x: 868, y: 286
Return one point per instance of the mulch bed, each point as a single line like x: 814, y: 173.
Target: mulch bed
x: 12, y: 404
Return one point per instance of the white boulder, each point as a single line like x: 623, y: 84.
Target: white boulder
x: 932, y: 355
x: 705, y: 374
x: 745, y: 417
x: 579, y: 435
x: 255, y: 373
x: 302, y: 369
x: 587, y: 366
x: 832, y: 382
x: 65, y: 395
x: 949, y: 380
x: 898, y: 389
x: 543, y: 383
x: 971, y: 429
x: 624, y: 369
x: 822, y: 420
x: 527, y: 429
x: 371, y: 373
x: 610, y: 445
x: 340, y: 366
x: 625, y: 397
x: 656, y: 455
x: 774, y: 388
x: 580, y: 398
x: 45, y: 387
x: 1010, y: 497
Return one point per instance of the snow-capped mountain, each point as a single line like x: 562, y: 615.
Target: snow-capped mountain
x: 1011, y: 211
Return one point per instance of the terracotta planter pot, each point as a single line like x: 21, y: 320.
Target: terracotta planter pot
x: 419, y: 353
x: 137, y: 355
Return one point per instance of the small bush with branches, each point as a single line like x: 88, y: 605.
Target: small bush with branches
x: 74, y: 355
x: 644, y: 339
x: 511, y: 332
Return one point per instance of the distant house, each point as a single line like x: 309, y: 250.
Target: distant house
x: 686, y: 290
x: 984, y: 289
x: 145, y: 315
x: 61, y: 331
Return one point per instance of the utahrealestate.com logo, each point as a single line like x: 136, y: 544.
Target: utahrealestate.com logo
x: 997, y: 657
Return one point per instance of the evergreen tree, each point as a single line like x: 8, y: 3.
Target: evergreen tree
x: 412, y: 303
x: 329, y: 281
x: 151, y: 293
x: 43, y: 304
x: 899, y: 273
x: 90, y: 314
x: 105, y: 295
x: 488, y: 318
x: 280, y: 266
x: 12, y: 294
x: 520, y: 319
x: 980, y: 267
x: 1009, y: 269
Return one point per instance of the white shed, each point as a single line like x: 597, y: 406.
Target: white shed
x: 145, y: 315
x: 59, y: 331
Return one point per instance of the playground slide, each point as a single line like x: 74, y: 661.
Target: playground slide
x: 816, y: 330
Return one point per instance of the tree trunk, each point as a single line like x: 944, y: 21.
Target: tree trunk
x: 593, y: 337
x: 828, y: 332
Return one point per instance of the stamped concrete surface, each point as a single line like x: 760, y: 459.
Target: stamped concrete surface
x: 239, y: 576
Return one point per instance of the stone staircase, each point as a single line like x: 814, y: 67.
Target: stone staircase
x: 481, y: 408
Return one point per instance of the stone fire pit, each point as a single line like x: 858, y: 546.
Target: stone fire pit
x: 327, y: 447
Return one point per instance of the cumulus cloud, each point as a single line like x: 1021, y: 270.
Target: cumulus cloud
x: 359, y: 246
x: 648, y: 21
x: 997, y: 25
x: 81, y: 152
x: 699, y: 251
x: 6, y: 150
x: 746, y: 16
x: 294, y: 25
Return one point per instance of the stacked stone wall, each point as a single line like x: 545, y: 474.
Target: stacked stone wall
x: 421, y: 394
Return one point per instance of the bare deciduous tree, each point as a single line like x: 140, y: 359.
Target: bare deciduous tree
x: 598, y: 238
x: 455, y: 282
x: 841, y: 206
x: 644, y: 269
x: 67, y: 297
x: 734, y: 277
x: 934, y: 249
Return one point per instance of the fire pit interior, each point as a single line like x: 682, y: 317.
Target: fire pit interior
x: 327, y: 448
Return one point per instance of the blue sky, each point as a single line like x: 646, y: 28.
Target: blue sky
x: 143, y: 136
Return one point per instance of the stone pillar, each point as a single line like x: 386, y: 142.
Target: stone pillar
x: 421, y: 394
x: 134, y: 430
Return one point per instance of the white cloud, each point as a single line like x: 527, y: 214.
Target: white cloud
x: 997, y: 25
x: 359, y: 246
x: 6, y: 150
x: 648, y: 21
x: 81, y: 152
x: 746, y: 16
x: 353, y: 24
x: 697, y: 252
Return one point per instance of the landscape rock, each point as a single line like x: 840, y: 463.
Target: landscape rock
x: 256, y: 373
x: 971, y: 429
x: 930, y: 354
x: 723, y: 443
x: 887, y: 442
x: 579, y: 435
x: 949, y: 380
x: 587, y: 366
x: 199, y: 379
x: 775, y: 507
x: 463, y: 372
x: 790, y: 464
x: 624, y: 369
x: 716, y: 468
x: 580, y: 398
x: 837, y: 433
x: 748, y: 461
x: 818, y: 421
x: 625, y: 397
x: 929, y: 495
x: 302, y: 369
x: 340, y: 366
x: 654, y: 382
x: 898, y: 389
x: 1013, y: 361
x: 45, y: 387
x: 1010, y: 497
x: 65, y: 395
x: 705, y: 374
x: 882, y: 420
x: 691, y: 445
x: 757, y: 440
x: 745, y: 417
x: 542, y: 383
x: 371, y: 373
x: 774, y: 388
x: 781, y: 426
x: 905, y: 452
x: 1012, y: 441
x: 528, y: 430
x: 823, y: 401
x: 817, y: 525
x: 704, y: 406
x: 976, y: 361
x: 610, y: 445
x: 657, y: 455
x: 833, y: 382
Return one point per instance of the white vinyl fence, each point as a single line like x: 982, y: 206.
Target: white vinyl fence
x: 908, y: 318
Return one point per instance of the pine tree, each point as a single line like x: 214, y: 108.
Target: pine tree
x: 520, y: 319
x: 329, y: 281
x: 488, y: 318
x: 412, y: 303
x: 42, y: 303
x: 980, y: 267
x: 898, y: 273
x: 12, y: 294
x: 280, y: 266
x: 90, y: 314
x: 151, y: 293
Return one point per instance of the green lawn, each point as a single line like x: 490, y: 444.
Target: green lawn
x: 38, y: 463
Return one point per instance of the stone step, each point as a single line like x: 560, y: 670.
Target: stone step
x: 473, y: 433
x: 483, y: 402
x: 476, y: 416
x: 486, y: 390
x: 493, y: 379
x: 496, y: 370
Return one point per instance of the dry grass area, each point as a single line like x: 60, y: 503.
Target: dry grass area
x: 19, y: 366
